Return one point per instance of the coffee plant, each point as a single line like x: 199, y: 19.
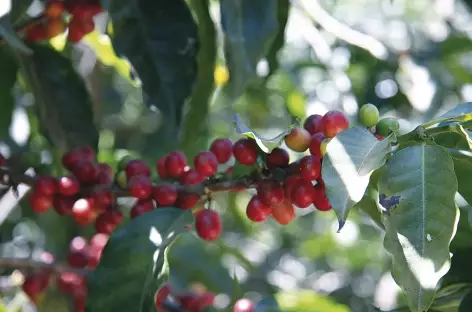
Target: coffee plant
x: 141, y: 174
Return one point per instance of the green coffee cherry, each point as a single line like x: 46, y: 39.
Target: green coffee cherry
x: 387, y: 125
x: 121, y: 179
x: 369, y: 115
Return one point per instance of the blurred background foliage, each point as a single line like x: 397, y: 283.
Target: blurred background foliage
x: 412, y: 59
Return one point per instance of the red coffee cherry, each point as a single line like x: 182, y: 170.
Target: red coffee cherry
x: 191, y: 176
x: 289, y: 183
x: 161, y: 296
x: 284, y: 213
x: 208, y: 224
x: 68, y: 185
x: 315, y: 144
x: 37, y: 32
x: 77, y: 256
x: 175, y: 164
x: 245, y: 151
x: 310, y: 168
x: 270, y: 192
x: 257, y: 210
x: 86, y: 171
x: 54, y: 9
x: 70, y: 282
x: 244, y: 305
x: 303, y: 194
x: 140, y: 207
x: 39, y: 202
x: 137, y: 167
x: 63, y: 204
x: 161, y: 168
x: 206, y: 163
x: 103, y: 197
x: 105, y: 223
x: 298, y: 140
x: 79, y: 27
x: 334, y: 122
x: 321, y: 201
x: 140, y: 186
x: 34, y: 285
x: 313, y: 124
x: 164, y: 194
x: 186, y: 200
x: 45, y: 185
x: 83, y: 211
x: 278, y: 158
x: 223, y: 149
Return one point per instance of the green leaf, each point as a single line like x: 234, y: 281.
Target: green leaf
x: 466, y: 304
x: 461, y: 112
x: 62, y: 101
x: 265, y: 144
x: 9, y: 71
x: 350, y: 158
x: 18, y: 10
x: 368, y: 203
x: 420, y: 227
x: 267, y: 305
x: 463, y: 170
x: 249, y: 29
x: 159, y: 38
x: 308, y: 301
x: 8, y: 33
x: 450, y: 297
x: 134, y: 262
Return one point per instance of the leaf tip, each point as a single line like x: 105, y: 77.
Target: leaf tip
x: 341, y: 223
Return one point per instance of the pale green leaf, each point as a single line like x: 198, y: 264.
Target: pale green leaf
x: 461, y: 112
x: 350, y: 158
x: 422, y: 223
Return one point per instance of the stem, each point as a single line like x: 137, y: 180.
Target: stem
x: 421, y: 134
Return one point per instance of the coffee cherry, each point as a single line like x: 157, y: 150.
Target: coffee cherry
x: 68, y: 185
x: 55, y: 26
x: 86, y: 171
x: 161, y: 168
x: 303, y: 194
x: 386, y: 126
x: 34, y: 285
x: 54, y: 9
x: 313, y: 124
x: 186, y: 200
x: 270, y: 192
x: 140, y: 186
x: 161, y: 296
x: 83, y: 211
x: 70, y: 282
x: 284, y: 213
x: 140, y: 207
x: 105, y: 175
x: 278, y: 158
x: 79, y: 303
x: 164, y: 194
x: 124, y: 162
x: 310, y: 168
x: 208, y: 224
x: 321, y: 201
x: 289, y: 183
x: 45, y: 185
x: 63, y: 204
x: 334, y: 122
x: 223, y: 149
x: 257, y: 210
x: 204, y: 300
x: 121, y: 180
x: 379, y: 137
x: 137, y: 167
x: 369, y: 115
x: 298, y: 140
x: 244, y: 305
x: 175, y: 164
x: 105, y: 223
x: 103, y: 197
x: 94, y: 254
x: 245, y: 151
x: 39, y: 202
x: 36, y: 33
x: 315, y: 144
x: 77, y: 256
x: 323, y: 146
x: 206, y: 163
x: 99, y: 240
x: 191, y: 176
x: 79, y: 27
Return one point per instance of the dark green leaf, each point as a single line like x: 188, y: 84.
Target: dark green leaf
x: 134, y: 262
x: 279, y: 40
x: 249, y: 28
x: 18, y: 10
x: 8, y: 33
x: 160, y: 40
x: 466, y: 304
x: 463, y: 170
x: 450, y: 297
x: 62, y: 101
x: 422, y: 223
x: 368, y: 203
x: 350, y: 158
x: 265, y: 144
x: 8, y: 70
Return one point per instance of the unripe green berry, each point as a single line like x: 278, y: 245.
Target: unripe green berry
x: 387, y: 125
x: 121, y: 179
x: 369, y: 115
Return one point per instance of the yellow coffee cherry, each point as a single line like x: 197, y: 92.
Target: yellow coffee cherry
x: 323, y: 146
x: 221, y: 75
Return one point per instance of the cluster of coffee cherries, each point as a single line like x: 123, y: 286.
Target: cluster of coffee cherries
x: 74, y: 15
x: 369, y: 117
x: 199, y: 300
x: 82, y: 254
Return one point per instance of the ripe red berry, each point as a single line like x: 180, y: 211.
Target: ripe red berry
x: 245, y: 151
x: 313, y: 124
x: 270, y: 192
x: 39, y: 202
x: 105, y: 174
x: 45, y: 185
x: 137, y: 167
x: 175, y: 164
x: 68, y: 185
x: 164, y: 194
x: 278, y: 158
x: 315, y: 144
x: 310, y: 168
x: 86, y: 171
x: 289, y: 183
x: 33, y: 285
x: 186, y: 200
x: 63, y: 204
x: 94, y: 255
x: 161, y: 167
x: 191, y: 176
x: 208, y: 224
x: 257, y: 210
x: 244, y: 305
x: 54, y: 9
x: 105, y: 223
x: 140, y: 186
x: 334, y: 122
x: 303, y: 194
x: 87, y: 152
x: 204, y: 300
x: 70, y: 282
x: 141, y: 206
x: 99, y: 240
x: 83, y: 211
x: 79, y: 303
x: 77, y: 255
x: 37, y: 32
x: 161, y: 295
x: 298, y: 140
x: 284, y: 213
x: 223, y: 149
x: 321, y: 201
x: 79, y: 27
x: 206, y: 163
x: 379, y: 137
x: 103, y: 197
